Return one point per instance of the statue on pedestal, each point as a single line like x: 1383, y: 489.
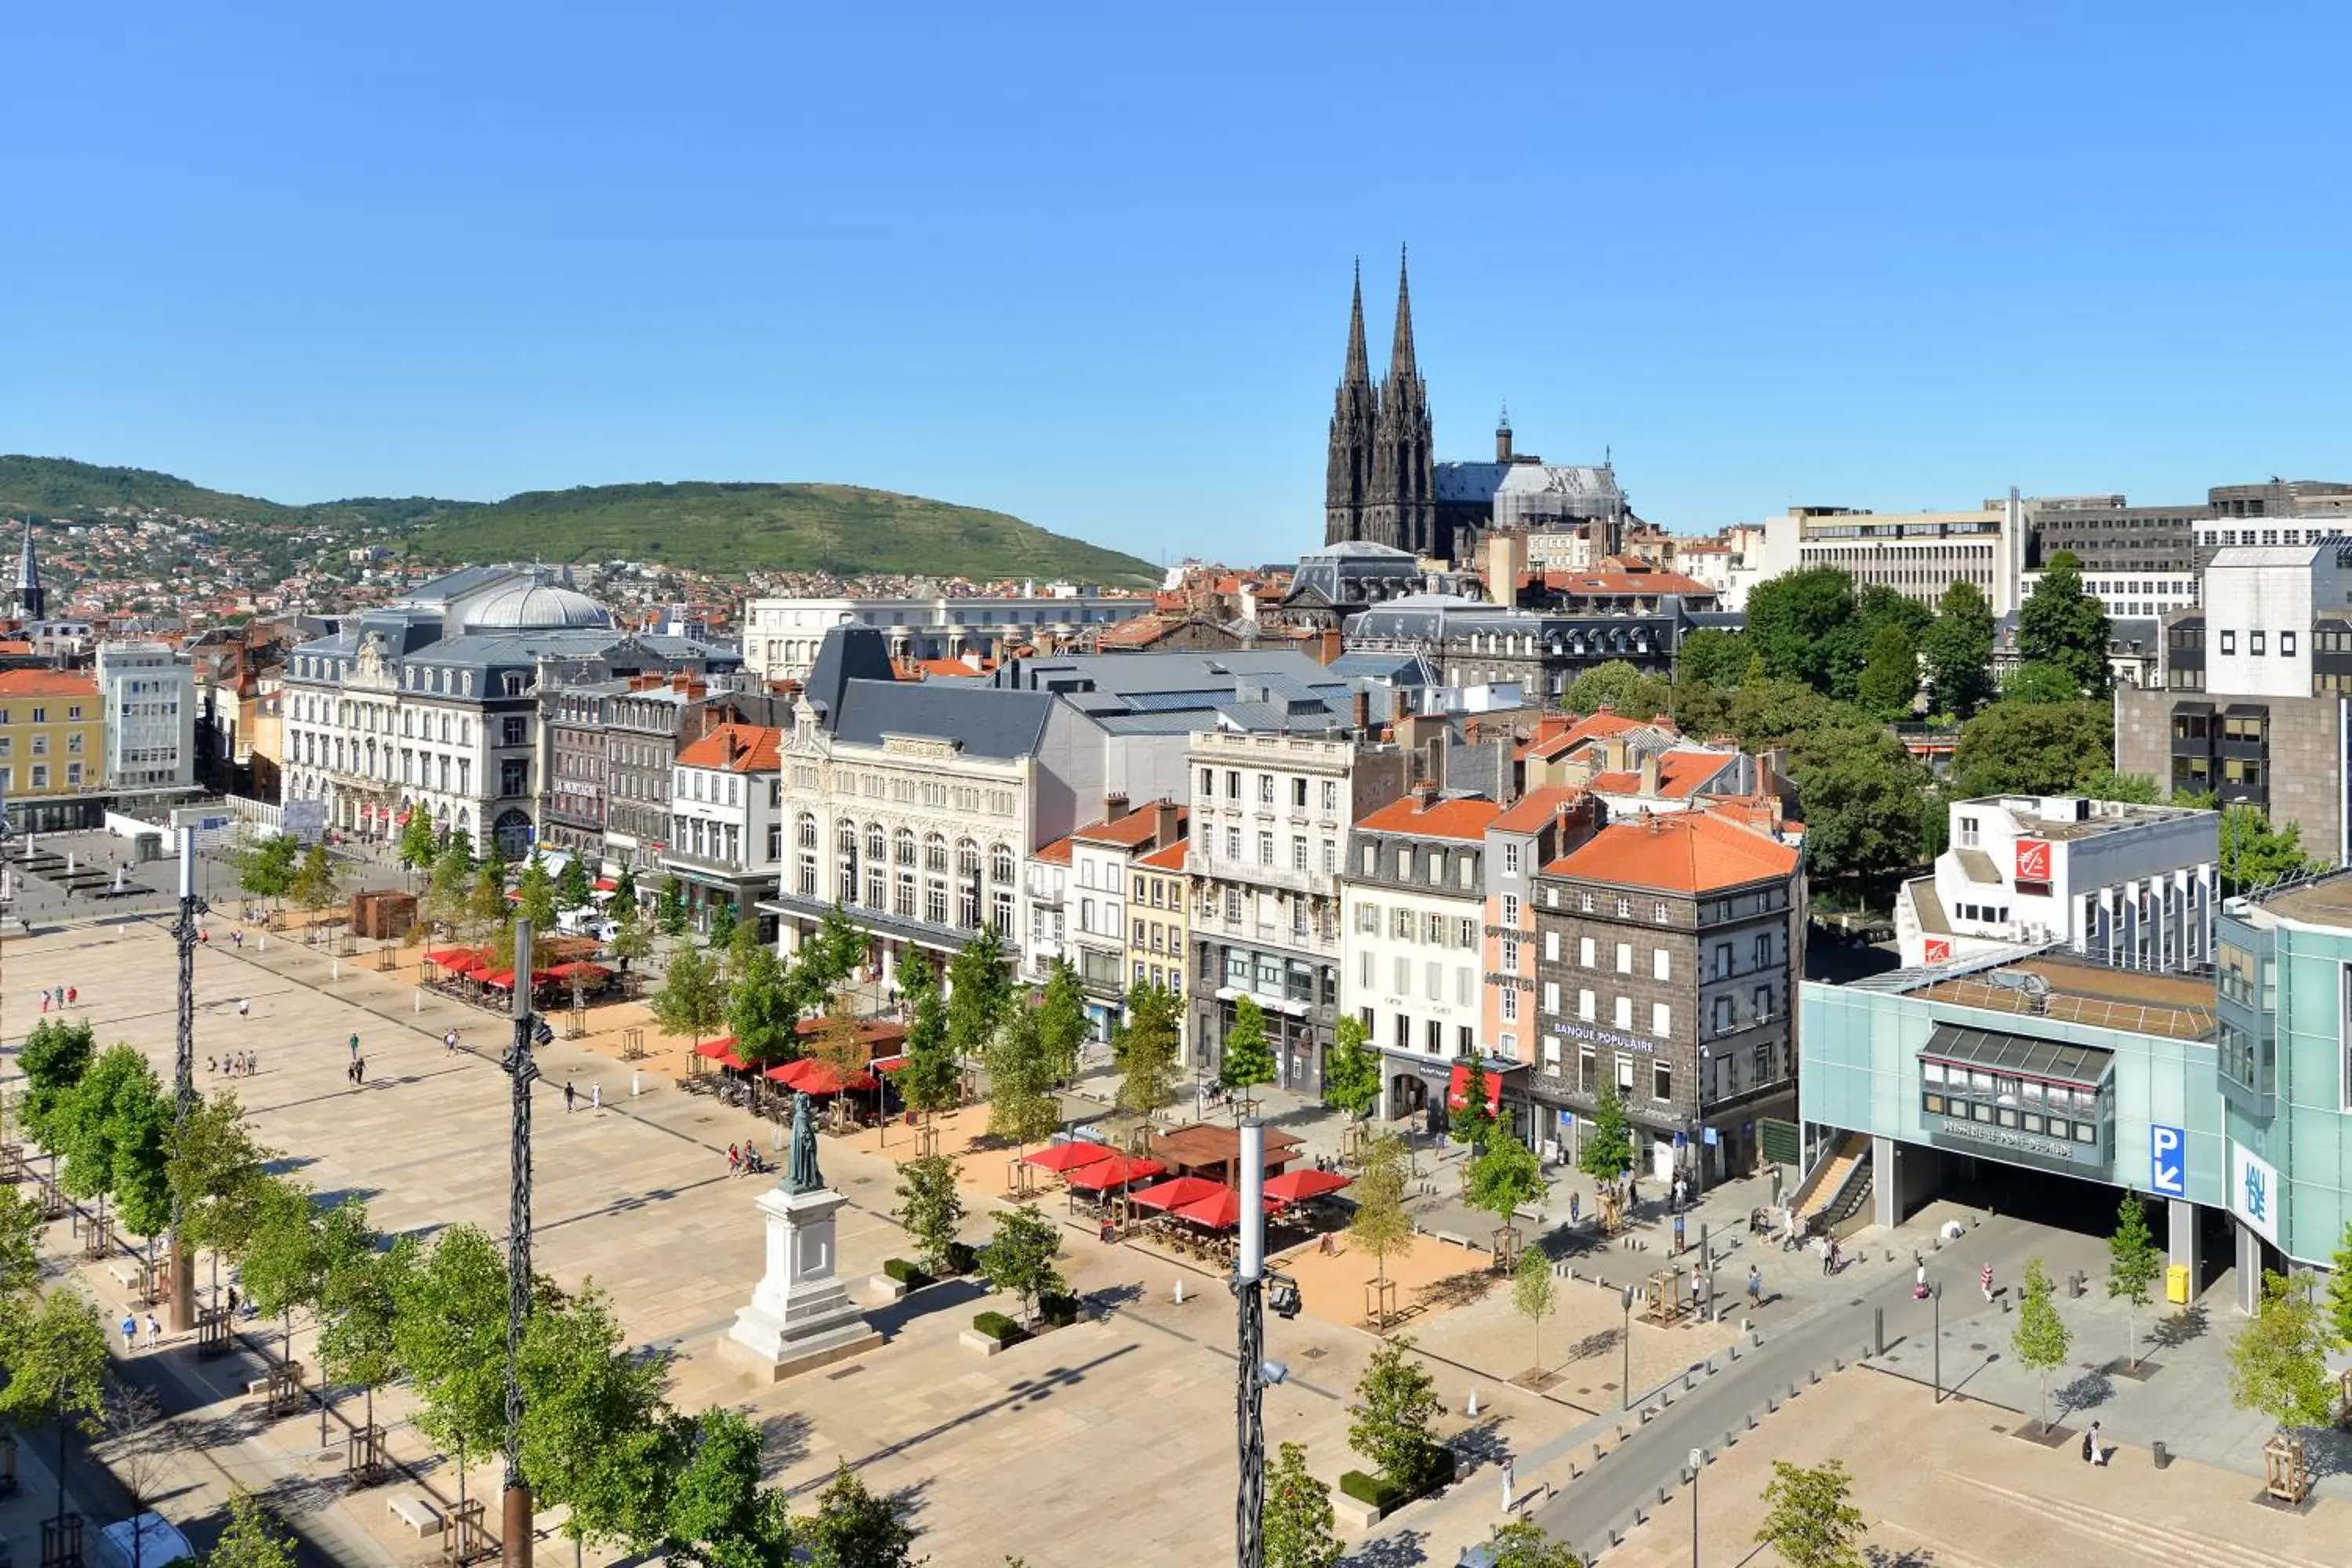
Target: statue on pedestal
x: 801, y: 1175
x: 800, y: 1315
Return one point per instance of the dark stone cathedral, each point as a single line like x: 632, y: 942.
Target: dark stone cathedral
x: 1382, y: 487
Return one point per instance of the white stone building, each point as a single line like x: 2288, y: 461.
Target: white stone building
x: 149, y: 694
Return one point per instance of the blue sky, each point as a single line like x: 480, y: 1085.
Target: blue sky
x: 1090, y: 264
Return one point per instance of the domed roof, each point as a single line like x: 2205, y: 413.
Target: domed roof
x: 535, y: 606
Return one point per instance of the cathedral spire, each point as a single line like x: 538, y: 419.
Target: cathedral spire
x: 30, y: 596
x: 1401, y: 360
x: 1360, y: 368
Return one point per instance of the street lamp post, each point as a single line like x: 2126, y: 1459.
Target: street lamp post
x: 184, y: 1077
x: 1697, y: 1463
x: 515, y: 1533
x: 1625, y: 1338
x: 1249, y: 1267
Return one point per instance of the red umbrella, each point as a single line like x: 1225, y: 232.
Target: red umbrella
x: 1068, y: 1156
x: 1173, y: 1194
x: 1221, y: 1210
x: 1291, y: 1186
x: 1115, y: 1171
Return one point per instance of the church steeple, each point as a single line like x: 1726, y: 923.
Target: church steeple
x: 1403, y: 510
x: 1355, y: 412
x: 1360, y: 367
x: 32, y: 600
x: 1401, y: 361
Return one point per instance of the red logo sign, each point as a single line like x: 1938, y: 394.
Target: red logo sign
x: 1939, y: 950
x: 2033, y: 861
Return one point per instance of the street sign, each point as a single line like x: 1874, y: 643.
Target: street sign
x: 2254, y: 1192
x: 2168, y: 1161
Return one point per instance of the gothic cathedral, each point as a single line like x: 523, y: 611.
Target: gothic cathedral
x: 1382, y: 485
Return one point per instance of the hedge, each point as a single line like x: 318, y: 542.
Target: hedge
x: 998, y: 1327
x: 1388, y: 1495
x: 1058, y: 1311
x: 906, y: 1273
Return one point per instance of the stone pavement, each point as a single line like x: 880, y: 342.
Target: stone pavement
x: 1947, y: 1487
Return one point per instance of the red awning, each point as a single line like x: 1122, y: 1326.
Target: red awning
x: 503, y: 980
x: 606, y: 885
x: 815, y: 1077
x: 1068, y: 1156
x: 1457, y: 1093
x: 452, y: 957
x: 723, y: 1051
x: 581, y: 967
x: 889, y: 1064
x: 1173, y: 1194
x: 1221, y: 1210
x: 1291, y: 1186
x: 1115, y: 1171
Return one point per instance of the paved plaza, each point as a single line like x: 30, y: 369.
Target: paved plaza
x: 1074, y: 1446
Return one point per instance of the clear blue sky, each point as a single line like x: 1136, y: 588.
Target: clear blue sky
x: 1090, y: 265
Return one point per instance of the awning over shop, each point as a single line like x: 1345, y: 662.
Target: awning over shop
x: 1100, y: 1175
x: 723, y: 1051
x: 2019, y: 1056
x: 1457, y: 1090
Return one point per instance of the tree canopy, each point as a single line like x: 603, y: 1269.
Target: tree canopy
x: 1624, y: 687
x: 2034, y: 748
x: 2061, y: 625
x: 1958, y: 647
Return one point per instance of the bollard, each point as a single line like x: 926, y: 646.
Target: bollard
x: 1751, y: 1421
x: 1878, y: 1329
x: 1180, y: 1289
x: 637, y: 1083
x: 1474, y: 1399
x: 1814, y: 1373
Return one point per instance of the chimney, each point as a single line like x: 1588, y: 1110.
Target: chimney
x: 1427, y: 789
x: 1328, y: 646
x: 1167, y: 820
x: 1650, y: 776
x: 1363, y: 704
x: 1612, y: 751
x: 1114, y: 807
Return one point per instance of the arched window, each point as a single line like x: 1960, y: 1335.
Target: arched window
x: 878, y: 844
x: 934, y: 854
x: 805, y: 830
x: 845, y: 840
x: 903, y: 845
x: 968, y: 859
x: 1000, y: 865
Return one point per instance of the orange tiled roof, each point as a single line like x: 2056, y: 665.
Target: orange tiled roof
x: 1130, y: 831
x: 1688, y: 852
x: 1535, y: 808
x: 1168, y: 857
x: 1459, y: 817
x: 46, y: 683
x: 1598, y: 727
x: 1626, y: 583
x: 736, y: 748
x: 1680, y: 774
x: 1057, y: 853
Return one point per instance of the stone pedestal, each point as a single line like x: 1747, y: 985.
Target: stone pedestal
x: 801, y: 1315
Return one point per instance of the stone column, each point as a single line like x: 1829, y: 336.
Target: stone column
x: 2180, y: 1241
x: 1886, y: 1181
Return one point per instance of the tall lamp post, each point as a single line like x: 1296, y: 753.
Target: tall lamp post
x: 1625, y: 1338
x: 514, y: 1535
x: 184, y: 1075
x: 1254, y: 1287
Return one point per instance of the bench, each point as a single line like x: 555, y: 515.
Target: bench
x: 127, y: 1274
x: 1458, y: 1239
x: 416, y: 1513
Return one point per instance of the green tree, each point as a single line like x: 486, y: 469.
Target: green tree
x: 669, y: 908
x: 1889, y: 682
x: 1958, y: 647
x: 1472, y: 1124
x: 1021, y: 1102
x: 742, y: 943
x: 1505, y: 1177
x: 1712, y: 657
x: 266, y: 868
x: 1247, y: 1060
x: 1801, y: 624
x: 1019, y: 1258
x: 2041, y: 1338
x: 1534, y: 1297
x: 719, y: 1516
x: 855, y: 1528
x: 762, y: 1011
x: 55, y: 1355
x: 445, y: 895
x: 1143, y: 1048
x: 2255, y: 854
x: 722, y: 922
x: 980, y: 995
x: 838, y: 948
x: 359, y: 1302
x: 574, y: 890
x: 2033, y: 748
x: 2135, y: 789
x: 1351, y: 1071
x: 595, y: 1431
x: 111, y: 1128
x: 1865, y: 803
x: 449, y: 1329
x: 1606, y: 1153
x: 1297, y: 1514
x: 212, y: 1166
x: 2059, y: 624
x: 283, y: 1261
x: 20, y: 1257
x: 2039, y: 684
x: 1809, y: 1518
x: 486, y: 902
x: 930, y: 1209
x: 56, y: 1056
x: 1524, y: 1543
x: 2339, y: 1291
x: 932, y: 1080
x: 1380, y: 1226
x: 624, y: 890
x: 693, y: 999
x: 417, y: 844
x: 535, y: 894
x: 2133, y: 1260
x: 252, y: 1539
x: 1623, y: 688
x: 631, y: 941
x: 1396, y: 1399
x: 2278, y: 1363
x: 318, y: 882
x: 1062, y: 1020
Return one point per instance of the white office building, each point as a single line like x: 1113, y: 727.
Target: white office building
x: 149, y: 694
x: 780, y: 636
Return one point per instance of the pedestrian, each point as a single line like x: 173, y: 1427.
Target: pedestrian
x: 1837, y: 1255
x: 253, y: 1062
x: 1698, y: 1283
x: 232, y: 1301
x: 355, y: 1048
x: 2093, y: 1449
x: 1575, y: 1204
x: 1755, y: 1287
x: 1825, y: 1254
x: 237, y: 940
x: 45, y: 1001
x: 154, y: 1331
x: 1508, y: 1471
x: 359, y: 1070
x: 244, y: 1007
x: 1109, y: 1232
x: 129, y: 1334
x: 449, y: 1042
x: 1919, y: 1281
x: 571, y: 1094
x: 73, y: 995
x: 596, y: 1097
x: 734, y: 1154
x: 1984, y: 1282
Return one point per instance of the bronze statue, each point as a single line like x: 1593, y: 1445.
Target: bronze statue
x: 802, y: 1175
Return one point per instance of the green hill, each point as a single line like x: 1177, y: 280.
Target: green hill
x: 702, y: 526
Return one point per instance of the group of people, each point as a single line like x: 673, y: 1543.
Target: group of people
x: 59, y: 997
x: 130, y: 1333
x: 741, y: 1159
x: 240, y: 1063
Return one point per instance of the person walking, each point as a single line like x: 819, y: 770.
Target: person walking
x: 571, y: 1094
x: 244, y: 1007
x: 1755, y: 1287
x: 236, y: 939
x: 1699, y: 1284
x: 1984, y: 1282
x: 253, y: 1062
x: 449, y: 1042
x: 734, y: 1154
x: 359, y: 1070
x: 73, y: 995
x: 1574, y: 1202
x: 596, y: 1097
x: 355, y: 1046
x: 1919, y: 1281
x: 154, y: 1332
x: 129, y: 1334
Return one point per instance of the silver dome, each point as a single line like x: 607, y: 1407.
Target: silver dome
x: 535, y: 606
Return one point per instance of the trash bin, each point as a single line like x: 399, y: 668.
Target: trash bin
x: 2175, y: 1284
x: 2162, y: 1456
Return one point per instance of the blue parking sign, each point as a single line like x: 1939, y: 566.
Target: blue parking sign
x: 2168, y: 1161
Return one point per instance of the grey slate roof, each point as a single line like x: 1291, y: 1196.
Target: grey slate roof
x: 983, y: 720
